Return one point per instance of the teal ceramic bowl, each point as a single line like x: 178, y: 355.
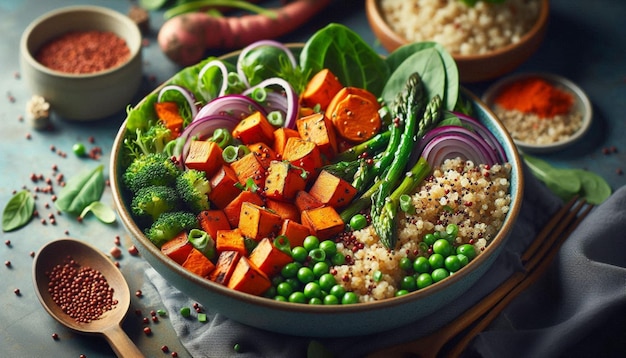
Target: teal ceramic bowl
x: 326, y: 321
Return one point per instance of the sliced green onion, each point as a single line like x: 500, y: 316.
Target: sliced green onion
x: 276, y: 118
x: 222, y: 137
x: 259, y: 94
x: 282, y: 243
x: 231, y: 153
x: 406, y: 204
x: 378, y: 276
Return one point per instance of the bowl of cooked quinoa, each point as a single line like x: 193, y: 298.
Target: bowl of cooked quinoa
x: 450, y: 229
x: 543, y: 112
x: 486, y: 38
x: 84, y: 61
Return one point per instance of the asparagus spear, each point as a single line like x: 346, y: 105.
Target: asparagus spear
x: 385, y: 205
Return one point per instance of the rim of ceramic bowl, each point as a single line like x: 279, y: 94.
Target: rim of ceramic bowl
x: 135, y: 47
x: 373, y: 7
x: 582, y: 102
x: 494, y: 245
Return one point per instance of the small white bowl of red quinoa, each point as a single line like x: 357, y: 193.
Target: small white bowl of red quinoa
x: 83, y: 60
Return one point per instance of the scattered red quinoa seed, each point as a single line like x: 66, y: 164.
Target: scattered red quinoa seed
x: 116, y: 240
x: 145, y: 320
x: 82, y: 356
x: 147, y: 331
x: 165, y: 349
x: 7, y: 242
x: 82, y: 292
x: 32, y: 254
x: 17, y: 292
x: 16, y: 75
x: 174, y: 354
x: 152, y: 313
x: 91, y: 139
x: 7, y: 263
x: 28, y: 136
x: 155, y: 319
x: 138, y: 293
x: 133, y: 250
x: 117, y: 264
x: 55, y: 336
x: 116, y: 252
x: 66, y: 232
x: 619, y: 171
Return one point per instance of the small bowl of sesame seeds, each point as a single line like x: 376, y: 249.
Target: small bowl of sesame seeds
x: 85, y: 61
x: 543, y: 112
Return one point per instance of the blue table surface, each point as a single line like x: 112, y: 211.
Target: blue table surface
x: 585, y: 42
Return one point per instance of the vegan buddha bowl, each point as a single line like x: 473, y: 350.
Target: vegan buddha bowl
x: 338, y: 188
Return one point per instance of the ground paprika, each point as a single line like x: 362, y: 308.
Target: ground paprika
x: 535, y: 95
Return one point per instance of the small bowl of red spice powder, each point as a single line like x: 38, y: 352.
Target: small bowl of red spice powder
x: 543, y: 112
x: 84, y: 60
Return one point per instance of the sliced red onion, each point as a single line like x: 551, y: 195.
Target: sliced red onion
x: 447, y: 142
x: 236, y: 106
x: 291, y: 98
x: 203, y: 128
x: 256, y: 45
x: 223, y: 70
x: 191, y: 101
x: 483, y: 132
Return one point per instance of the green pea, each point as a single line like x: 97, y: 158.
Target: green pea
x: 290, y: 269
x: 408, y: 283
x: 338, y: 291
x: 294, y: 283
x: 79, y: 149
x: 331, y: 300
x: 405, y: 264
x: 378, y: 276
x: 329, y: 247
x: 421, y: 265
x: 305, y: 275
x: 280, y: 298
x: 442, y: 247
x: 439, y: 274
x: 462, y: 259
x: 297, y: 297
x: 299, y: 254
x: 338, y: 259
x: 277, y: 279
x: 270, y: 292
x: 358, y: 221
x: 424, y: 280
x: 316, y: 301
x: 320, y: 268
x: 311, y: 242
x: 452, y: 230
x: 284, y: 289
x: 468, y: 250
x: 317, y: 255
x: 185, y: 311
x: 327, y: 281
x: 401, y: 293
x: 429, y: 239
x: 436, y: 261
x: 452, y: 263
x: 312, y: 289
x: 349, y: 298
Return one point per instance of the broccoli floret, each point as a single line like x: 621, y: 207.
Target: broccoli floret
x: 149, y: 141
x: 170, y: 224
x: 155, y: 200
x: 151, y: 169
x: 193, y: 187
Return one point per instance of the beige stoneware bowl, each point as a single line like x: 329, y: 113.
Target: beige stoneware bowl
x: 90, y: 96
x: 472, y: 68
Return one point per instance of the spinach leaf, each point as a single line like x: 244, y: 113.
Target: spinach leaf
x: 428, y: 64
x: 18, y: 211
x: 566, y: 183
x: 101, y: 211
x: 397, y: 57
x: 344, y: 52
x: 81, y: 190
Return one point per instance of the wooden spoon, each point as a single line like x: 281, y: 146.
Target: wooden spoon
x: 109, y: 324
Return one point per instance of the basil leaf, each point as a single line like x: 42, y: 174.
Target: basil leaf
x: 595, y: 189
x: 81, y: 190
x: 101, y: 211
x: 18, y: 211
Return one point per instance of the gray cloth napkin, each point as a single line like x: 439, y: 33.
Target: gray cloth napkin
x: 577, y: 309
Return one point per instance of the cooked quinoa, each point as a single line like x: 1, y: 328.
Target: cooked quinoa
x: 475, y: 198
x: 532, y: 129
x: 462, y: 29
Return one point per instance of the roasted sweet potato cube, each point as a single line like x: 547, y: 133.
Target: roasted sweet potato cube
x: 233, y: 209
x: 230, y: 240
x: 284, y: 180
x: 332, y: 190
x: 324, y: 222
x: 284, y: 209
x: 264, y: 153
x: 205, y: 156
x: 320, y: 89
x: 257, y: 222
x: 303, y: 154
x: 280, y: 138
x: 268, y: 258
x: 248, y: 278
x: 254, y: 128
x: 318, y: 129
x: 305, y: 201
x: 224, y: 186
x: 213, y: 220
x: 249, y: 167
x: 199, y: 264
x: 177, y: 248
x: 294, y: 231
x: 226, y: 263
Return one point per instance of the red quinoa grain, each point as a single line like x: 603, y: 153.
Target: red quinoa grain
x: 55, y: 336
x: 84, y: 52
